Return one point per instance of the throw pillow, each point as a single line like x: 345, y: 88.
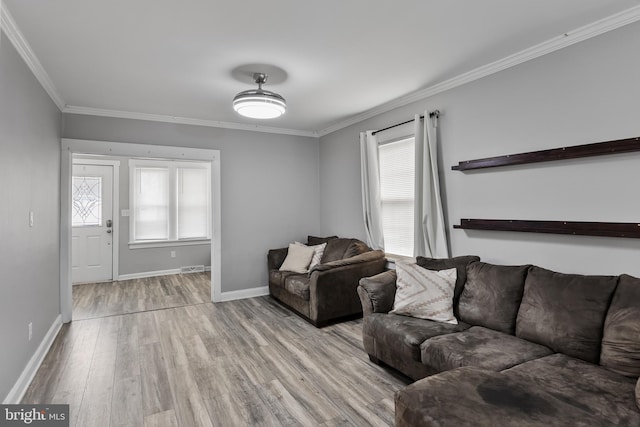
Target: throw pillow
x: 298, y: 259
x: 425, y: 294
x: 317, y: 254
x: 638, y: 393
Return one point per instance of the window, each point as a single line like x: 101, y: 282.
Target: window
x: 397, y: 183
x: 170, y: 201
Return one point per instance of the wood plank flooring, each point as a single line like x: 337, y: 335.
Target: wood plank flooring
x: 92, y: 300
x: 247, y: 362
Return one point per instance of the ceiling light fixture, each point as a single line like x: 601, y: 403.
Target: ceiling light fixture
x: 259, y: 103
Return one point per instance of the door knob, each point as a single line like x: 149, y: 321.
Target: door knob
x: 109, y: 231
x: 109, y: 223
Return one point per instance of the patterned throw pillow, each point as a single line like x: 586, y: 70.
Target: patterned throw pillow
x: 425, y: 294
x: 317, y: 254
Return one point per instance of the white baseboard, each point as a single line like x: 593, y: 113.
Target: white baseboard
x: 20, y: 387
x: 244, y: 293
x: 153, y: 273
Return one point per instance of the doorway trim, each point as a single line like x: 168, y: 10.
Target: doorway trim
x: 115, y: 206
x: 106, y: 148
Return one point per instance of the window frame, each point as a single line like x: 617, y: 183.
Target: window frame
x: 391, y: 136
x: 172, y: 166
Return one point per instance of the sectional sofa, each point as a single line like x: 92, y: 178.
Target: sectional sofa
x: 531, y: 347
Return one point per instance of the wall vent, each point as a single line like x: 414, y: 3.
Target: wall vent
x: 192, y: 269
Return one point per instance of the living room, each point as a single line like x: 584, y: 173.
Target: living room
x: 581, y: 91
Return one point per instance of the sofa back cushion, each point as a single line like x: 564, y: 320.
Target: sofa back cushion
x: 565, y: 312
x: 459, y: 263
x: 341, y: 248
x: 492, y: 295
x: 621, y: 335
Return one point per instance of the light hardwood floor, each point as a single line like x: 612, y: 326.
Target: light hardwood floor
x: 247, y: 362
x: 92, y: 300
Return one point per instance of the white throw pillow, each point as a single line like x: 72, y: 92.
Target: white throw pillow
x: 317, y: 255
x: 425, y: 294
x: 298, y: 259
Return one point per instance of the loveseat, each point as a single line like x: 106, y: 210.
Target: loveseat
x: 531, y: 347
x: 327, y: 292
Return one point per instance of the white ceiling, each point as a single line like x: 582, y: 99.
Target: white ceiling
x: 343, y: 58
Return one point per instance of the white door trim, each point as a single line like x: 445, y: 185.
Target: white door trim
x: 105, y: 148
x: 115, y: 250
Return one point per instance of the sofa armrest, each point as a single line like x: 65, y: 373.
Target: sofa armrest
x: 275, y: 258
x: 357, y: 259
x: 333, y: 286
x: 378, y: 292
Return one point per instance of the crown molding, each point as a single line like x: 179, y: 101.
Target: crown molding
x: 560, y: 42
x: 21, y: 44
x: 73, y: 109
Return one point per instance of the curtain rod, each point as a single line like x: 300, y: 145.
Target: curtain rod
x: 432, y: 114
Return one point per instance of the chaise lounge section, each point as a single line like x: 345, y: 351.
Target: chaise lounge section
x: 531, y: 347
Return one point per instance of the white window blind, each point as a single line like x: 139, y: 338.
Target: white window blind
x: 397, y: 183
x: 170, y: 201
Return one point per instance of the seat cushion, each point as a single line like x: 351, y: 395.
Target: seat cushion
x: 298, y: 285
x: 492, y: 295
x: 621, y: 336
x: 479, y: 347
x: 565, y: 312
x: 459, y: 263
x: 606, y: 396
x: 473, y: 397
x: 405, y: 334
x: 276, y: 277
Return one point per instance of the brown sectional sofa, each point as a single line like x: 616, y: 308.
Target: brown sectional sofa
x: 327, y: 292
x: 532, y: 347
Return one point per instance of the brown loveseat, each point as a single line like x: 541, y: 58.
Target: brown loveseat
x: 532, y: 347
x: 328, y: 291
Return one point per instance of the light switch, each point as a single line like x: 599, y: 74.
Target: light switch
x: 31, y: 216
x: 125, y: 212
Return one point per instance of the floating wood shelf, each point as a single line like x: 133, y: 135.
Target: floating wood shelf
x: 606, y: 229
x: 573, y: 152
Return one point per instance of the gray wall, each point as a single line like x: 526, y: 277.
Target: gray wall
x: 270, y: 186
x: 145, y: 260
x: 585, y: 93
x: 30, y: 173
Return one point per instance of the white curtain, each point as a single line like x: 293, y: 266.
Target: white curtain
x: 371, y: 206
x: 429, y: 234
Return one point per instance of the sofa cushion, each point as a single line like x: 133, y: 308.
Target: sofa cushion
x: 298, y: 258
x: 605, y: 395
x: 459, y: 263
x: 298, y: 285
x: 405, y: 334
x: 276, y: 277
x: 313, y: 240
x: 424, y: 294
x: 492, y: 295
x: 621, y: 335
x: 335, y: 250
x: 480, y: 347
x: 474, y: 397
x: 565, y: 312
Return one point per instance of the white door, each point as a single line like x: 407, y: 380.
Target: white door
x: 91, y: 222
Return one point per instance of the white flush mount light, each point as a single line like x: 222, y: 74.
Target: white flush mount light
x: 259, y: 103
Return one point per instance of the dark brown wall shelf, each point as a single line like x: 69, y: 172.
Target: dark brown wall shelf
x: 606, y: 229
x: 573, y: 152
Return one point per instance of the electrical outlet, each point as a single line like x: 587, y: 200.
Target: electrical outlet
x: 30, y: 330
x: 173, y: 254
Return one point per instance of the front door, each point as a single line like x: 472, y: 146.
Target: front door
x: 92, y: 221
